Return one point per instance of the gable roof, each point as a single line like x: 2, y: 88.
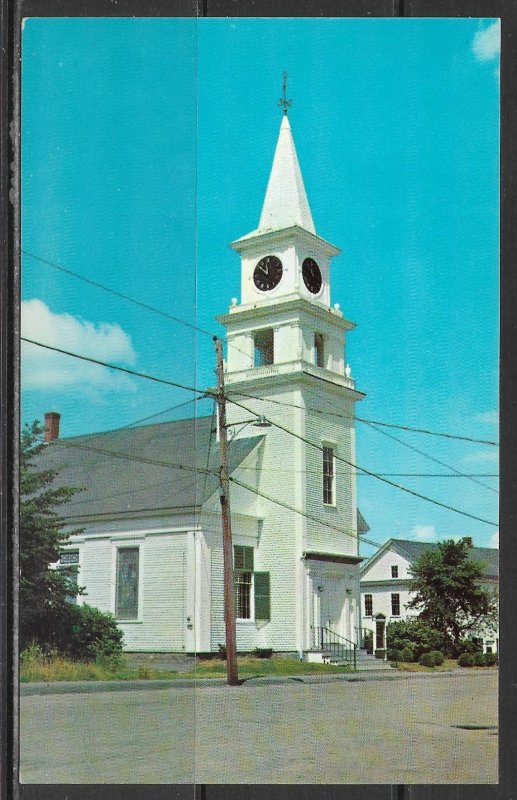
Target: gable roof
x: 114, y: 472
x: 413, y: 550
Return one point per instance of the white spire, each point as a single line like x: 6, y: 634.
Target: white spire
x: 286, y: 201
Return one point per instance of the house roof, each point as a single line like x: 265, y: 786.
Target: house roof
x: 413, y: 550
x: 114, y: 472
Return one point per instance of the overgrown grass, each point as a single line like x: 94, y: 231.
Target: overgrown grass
x: 36, y: 666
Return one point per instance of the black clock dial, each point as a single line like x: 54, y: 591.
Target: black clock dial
x: 267, y: 273
x: 311, y: 275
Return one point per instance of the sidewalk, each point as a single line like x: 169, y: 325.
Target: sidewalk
x: 89, y: 687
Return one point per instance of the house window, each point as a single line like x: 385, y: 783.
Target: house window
x: 328, y: 476
x: 69, y: 567
x: 319, y: 350
x: 252, y: 589
x: 126, y: 591
x: 395, y: 605
x: 264, y: 347
x: 368, y: 605
x: 394, y: 572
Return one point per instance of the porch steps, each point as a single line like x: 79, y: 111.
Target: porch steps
x: 366, y: 661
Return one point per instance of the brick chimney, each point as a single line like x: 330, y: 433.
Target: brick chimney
x: 51, y: 426
x: 468, y: 541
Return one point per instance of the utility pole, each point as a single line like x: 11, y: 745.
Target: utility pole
x: 224, y: 495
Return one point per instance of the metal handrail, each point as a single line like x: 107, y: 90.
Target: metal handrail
x: 339, y: 646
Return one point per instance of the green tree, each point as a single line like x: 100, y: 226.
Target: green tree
x: 448, y: 592
x: 43, y: 591
x: 47, y: 617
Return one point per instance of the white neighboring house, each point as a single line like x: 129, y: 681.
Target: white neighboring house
x: 386, y: 587
x: 151, y: 549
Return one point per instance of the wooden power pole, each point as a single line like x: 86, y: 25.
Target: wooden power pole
x: 224, y: 494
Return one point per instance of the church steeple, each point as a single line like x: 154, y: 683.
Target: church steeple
x: 285, y: 203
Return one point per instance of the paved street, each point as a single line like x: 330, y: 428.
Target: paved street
x: 399, y: 731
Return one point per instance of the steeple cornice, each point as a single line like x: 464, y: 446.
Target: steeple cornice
x: 271, y: 236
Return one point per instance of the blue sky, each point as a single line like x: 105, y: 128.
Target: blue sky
x: 146, y: 149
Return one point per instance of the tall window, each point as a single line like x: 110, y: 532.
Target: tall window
x: 394, y: 572
x: 264, y: 347
x: 243, y: 564
x: 368, y: 605
x: 252, y: 589
x: 319, y: 350
x: 328, y: 476
x: 126, y: 592
x: 69, y: 567
x: 395, y: 605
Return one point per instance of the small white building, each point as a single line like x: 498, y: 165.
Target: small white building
x: 386, y: 587
x: 151, y: 547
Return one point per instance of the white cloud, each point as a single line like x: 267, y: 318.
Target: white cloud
x: 45, y: 369
x: 424, y: 533
x: 486, y: 44
x: 494, y: 540
x: 489, y: 455
x: 488, y: 417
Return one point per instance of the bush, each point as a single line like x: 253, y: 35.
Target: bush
x: 92, y: 636
x: 466, y: 660
x: 394, y: 655
x: 491, y: 659
x: 263, y: 652
x: 368, y: 641
x: 380, y: 653
x: 432, y: 659
x: 415, y: 634
x: 222, y: 651
x: 407, y: 654
x: 479, y: 659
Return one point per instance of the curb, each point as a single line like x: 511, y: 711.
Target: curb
x: 90, y: 687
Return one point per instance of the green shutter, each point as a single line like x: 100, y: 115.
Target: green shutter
x: 243, y: 558
x: 262, y: 596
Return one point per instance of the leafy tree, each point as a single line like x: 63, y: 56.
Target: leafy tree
x: 46, y: 615
x: 43, y: 592
x: 448, y: 592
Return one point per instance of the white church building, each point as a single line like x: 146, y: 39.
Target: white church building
x: 150, y: 550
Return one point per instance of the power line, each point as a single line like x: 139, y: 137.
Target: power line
x: 373, y: 474
x: 432, y: 458
x: 361, y: 419
x: 347, y: 532
x: 114, y: 366
x: 114, y: 292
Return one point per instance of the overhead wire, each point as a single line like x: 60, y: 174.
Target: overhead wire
x: 399, y: 486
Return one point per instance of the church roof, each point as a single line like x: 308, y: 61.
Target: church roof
x: 124, y: 484
x: 285, y: 203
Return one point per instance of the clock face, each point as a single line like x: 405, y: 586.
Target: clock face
x: 311, y: 275
x: 267, y: 273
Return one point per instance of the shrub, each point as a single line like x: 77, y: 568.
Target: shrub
x: 466, y: 660
x: 491, y: 659
x: 380, y: 653
x: 415, y: 634
x: 92, y: 635
x: 407, y: 654
x: 479, y: 659
x: 432, y: 659
x: 368, y: 641
x: 222, y: 651
x: 394, y: 655
x: 263, y: 652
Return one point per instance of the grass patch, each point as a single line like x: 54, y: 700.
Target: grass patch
x: 448, y: 664
x: 38, y: 667
x: 250, y: 666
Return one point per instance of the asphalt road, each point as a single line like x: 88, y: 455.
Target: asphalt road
x: 401, y: 731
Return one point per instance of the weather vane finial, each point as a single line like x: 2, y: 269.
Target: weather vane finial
x: 284, y: 102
